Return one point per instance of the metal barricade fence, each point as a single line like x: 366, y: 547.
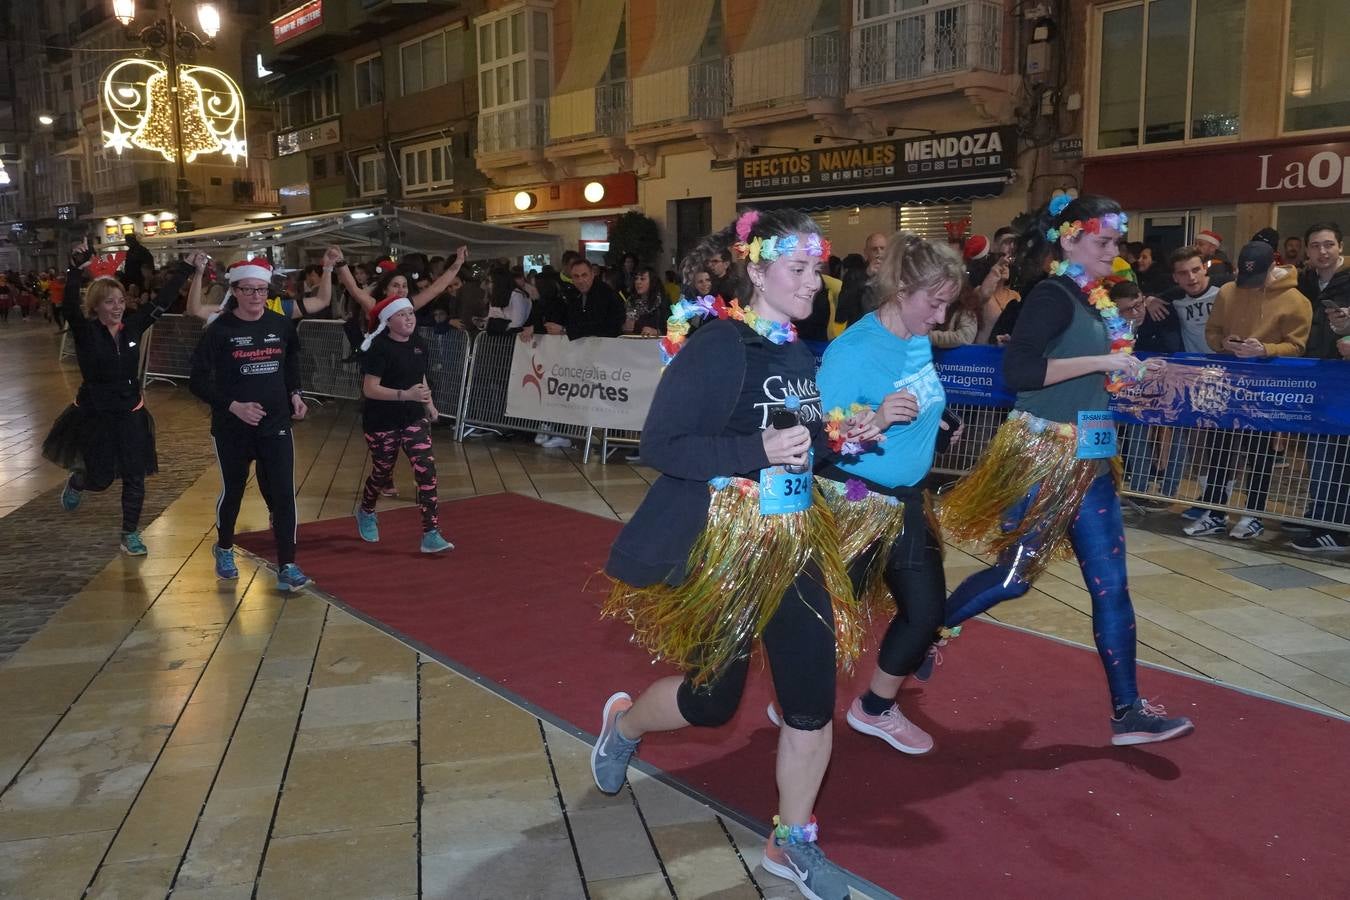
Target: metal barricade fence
x: 484, y: 403
x: 168, y: 356
x: 447, y: 370
x: 324, y: 367
x: 1282, y: 476
x: 1295, y: 477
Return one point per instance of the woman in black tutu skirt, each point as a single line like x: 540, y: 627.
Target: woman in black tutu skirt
x: 107, y: 433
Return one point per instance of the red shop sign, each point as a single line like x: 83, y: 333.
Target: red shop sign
x: 297, y: 22
x: 1239, y: 173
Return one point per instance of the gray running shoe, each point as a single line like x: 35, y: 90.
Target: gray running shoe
x: 612, y: 751
x: 805, y: 865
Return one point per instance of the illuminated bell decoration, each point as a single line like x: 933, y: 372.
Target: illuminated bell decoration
x: 138, y: 99
x: 156, y: 130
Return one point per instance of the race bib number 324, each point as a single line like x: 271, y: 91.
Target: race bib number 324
x: 781, y: 491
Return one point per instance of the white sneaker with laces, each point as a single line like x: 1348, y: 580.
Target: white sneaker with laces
x: 1247, y: 528
x: 1209, y: 523
x: 540, y: 438
x: 558, y: 442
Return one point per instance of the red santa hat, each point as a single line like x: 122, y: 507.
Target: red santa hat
x: 976, y: 247
x: 1210, y: 237
x: 257, y: 267
x: 385, y: 266
x: 381, y: 314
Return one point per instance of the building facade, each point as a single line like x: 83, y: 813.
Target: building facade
x: 1231, y: 115
x: 376, y: 103
x: 562, y: 114
x: 67, y: 181
x: 872, y: 114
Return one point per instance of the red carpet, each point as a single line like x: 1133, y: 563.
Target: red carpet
x: 1023, y: 795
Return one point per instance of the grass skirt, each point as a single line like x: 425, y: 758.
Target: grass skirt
x: 85, y: 440
x: 865, y: 518
x: 740, y: 567
x: 1025, y: 489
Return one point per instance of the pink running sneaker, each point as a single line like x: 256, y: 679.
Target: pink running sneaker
x: 892, y: 727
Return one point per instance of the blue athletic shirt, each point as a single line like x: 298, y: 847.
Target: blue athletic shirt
x: 863, y: 365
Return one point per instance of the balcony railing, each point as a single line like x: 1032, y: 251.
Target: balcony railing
x: 611, y: 108
x: 958, y: 36
x: 601, y: 111
x: 801, y: 69
x: 699, y: 91
x: 513, y: 128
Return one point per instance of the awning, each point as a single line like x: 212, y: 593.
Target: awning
x: 780, y: 21
x: 678, y: 33
x: 595, y: 28
x: 371, y: 229
x: 933, y: 192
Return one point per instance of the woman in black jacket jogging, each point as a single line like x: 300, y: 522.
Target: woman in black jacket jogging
x: 107, y: 433
x: 731, y: 544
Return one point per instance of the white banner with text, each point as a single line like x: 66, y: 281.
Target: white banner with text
x: 592, y: 382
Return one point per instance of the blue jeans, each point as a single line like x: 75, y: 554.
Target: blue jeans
x: 1139, y: 456
x: 1098, y: 539
x: 1328, y: 493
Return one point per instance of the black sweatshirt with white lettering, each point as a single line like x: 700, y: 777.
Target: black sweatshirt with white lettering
x: 248, y: 362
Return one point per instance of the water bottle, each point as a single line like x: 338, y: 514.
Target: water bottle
x: 789, y: 417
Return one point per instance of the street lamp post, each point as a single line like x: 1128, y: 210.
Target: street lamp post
x: 168, y: 36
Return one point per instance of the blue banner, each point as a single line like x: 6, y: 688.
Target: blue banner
x: 1309, y: 396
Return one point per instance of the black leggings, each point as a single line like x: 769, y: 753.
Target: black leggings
x: 918, y: 585
x: 133, y: 492
x: 799, y: 641
x: 275, y: 455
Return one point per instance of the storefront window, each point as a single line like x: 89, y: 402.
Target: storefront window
x: 1317, y: 93
x: 1167, y: 72
x: 1293, y: 219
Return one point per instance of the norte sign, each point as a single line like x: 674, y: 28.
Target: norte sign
x: 305, y: 17
x: 981, y: 152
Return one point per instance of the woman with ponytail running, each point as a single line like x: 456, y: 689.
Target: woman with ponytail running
x: 1047, y: 484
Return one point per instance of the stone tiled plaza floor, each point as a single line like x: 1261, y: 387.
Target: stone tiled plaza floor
x: 163, y: 733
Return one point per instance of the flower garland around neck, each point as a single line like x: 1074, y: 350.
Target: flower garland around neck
x: 1118, y: 328
x: 709, y: 307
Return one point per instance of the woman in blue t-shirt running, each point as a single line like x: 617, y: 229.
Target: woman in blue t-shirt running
x: 885, y: 361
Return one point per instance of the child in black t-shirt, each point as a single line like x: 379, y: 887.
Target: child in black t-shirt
x: 398, y: 414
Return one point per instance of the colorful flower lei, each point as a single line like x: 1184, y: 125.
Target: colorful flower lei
x: 1114, y: 221
x: 835, y: 421
x: 770, y: 248
x: 1118, y: 328
x: 707, y: 306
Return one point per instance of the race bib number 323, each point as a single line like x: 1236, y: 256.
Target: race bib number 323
x: 1096, y: 435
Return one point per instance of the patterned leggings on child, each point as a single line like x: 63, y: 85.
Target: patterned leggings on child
x: 415, y: 441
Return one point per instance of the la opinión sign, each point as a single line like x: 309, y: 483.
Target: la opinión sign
x: 1307, y: 172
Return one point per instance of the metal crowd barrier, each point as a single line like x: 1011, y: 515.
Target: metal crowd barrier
x: 168, y: 349
x: 447, y: 370
x: 324, y: 367
x: 484, y: 402
x: 1304, y: 477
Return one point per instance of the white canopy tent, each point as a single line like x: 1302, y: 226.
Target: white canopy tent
x: 364, y: 231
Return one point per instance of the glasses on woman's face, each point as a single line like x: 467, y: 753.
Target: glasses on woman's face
x: 255, y: 291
